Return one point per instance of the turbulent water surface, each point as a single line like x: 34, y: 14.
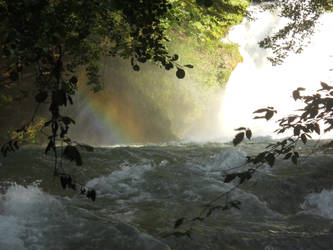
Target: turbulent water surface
x: 142, y: 191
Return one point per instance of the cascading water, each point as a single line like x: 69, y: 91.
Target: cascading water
x: 142, y: 191
x: 255, y: 83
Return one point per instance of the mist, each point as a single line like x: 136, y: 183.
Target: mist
x: 255, y: 83
x: 149, y: 106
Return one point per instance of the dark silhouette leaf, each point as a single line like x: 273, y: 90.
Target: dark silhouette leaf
x: 294, y: 159
x: 60, y: 97
x: 91, y: 194
x: 260, y: 157
x: 270, y: 158
x: 70, y: 99
x: 168, y: 66
x: 63, y: 181
x: 297, y: 130
x: 325, y: 86
x: 136, y: 67
x: 179, y: 222
x: 296, y: 95
x: 49, y: 146
x: 240, y: 129
x: 16, y: 145
x: 41, y: 96
x: 46, y: 124
x: 304, y: 139
x: 269, y: 115
x: 180, y: 73
x: 14, y: 76
x: 73, y: 80
x: 287, y: 156
x: 67, y: 120
x: 316, y: 128
x: 72, y: 154
x: 248, y: 134
x: 260, y: 111
x: 238, y: 138
x: 175, y: 57
x: 291, y: 118
x: 83, y: 190
x: 188, y: 66
x: 230, y: 177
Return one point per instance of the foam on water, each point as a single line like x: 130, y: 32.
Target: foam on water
x: 24, y: 212
x: 121, y: 183
x: 319, y: 203
x: 32, y: 219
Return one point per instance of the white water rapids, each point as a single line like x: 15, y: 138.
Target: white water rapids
x: 255, y: 83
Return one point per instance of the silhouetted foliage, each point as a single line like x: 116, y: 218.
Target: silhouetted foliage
x: 302, y: 18
x: 317, y: 108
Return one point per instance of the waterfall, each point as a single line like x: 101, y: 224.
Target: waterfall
x: 255, y: 83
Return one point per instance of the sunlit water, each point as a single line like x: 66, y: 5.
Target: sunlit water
x: 142, y: 191
x: 255, y: 83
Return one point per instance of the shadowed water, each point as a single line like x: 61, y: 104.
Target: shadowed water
x: 143, y: 190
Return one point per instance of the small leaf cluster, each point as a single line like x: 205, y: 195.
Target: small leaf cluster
x: 66, y: 181
x: 241, y: 135
x: 302, y: 18
x: 10, y: 146
x: 317, y: 108
x: 204, y: 214
x: 243, y: 176
x: 269, y: 113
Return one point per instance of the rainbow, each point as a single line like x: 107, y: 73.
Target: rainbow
x: 119, y: 118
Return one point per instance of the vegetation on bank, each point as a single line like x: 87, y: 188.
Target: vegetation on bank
x: 192, y: 31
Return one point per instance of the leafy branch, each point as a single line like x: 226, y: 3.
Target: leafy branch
x: 318, y: 108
